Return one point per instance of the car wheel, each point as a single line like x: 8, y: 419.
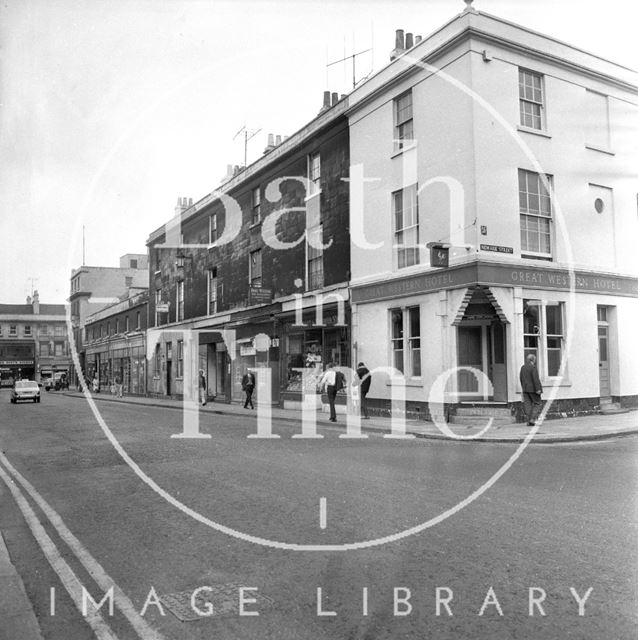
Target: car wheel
x: 13, y: 400
x: 38, y: 400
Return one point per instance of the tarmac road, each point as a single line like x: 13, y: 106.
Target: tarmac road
x: 562, y: 517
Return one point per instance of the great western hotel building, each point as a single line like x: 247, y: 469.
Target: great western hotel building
x: 515, y: 154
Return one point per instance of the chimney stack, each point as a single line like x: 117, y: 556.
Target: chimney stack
x: 28, y: 299
x: 409, y: 41
x: 271, y: 143
x: 36, y: 302
x: 399, y: 45
x: 326, y: 102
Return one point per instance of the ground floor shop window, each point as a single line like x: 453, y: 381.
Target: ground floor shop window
x: 312, y: 350
x: 543, y: 334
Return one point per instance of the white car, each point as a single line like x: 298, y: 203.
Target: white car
x: 25, y: 390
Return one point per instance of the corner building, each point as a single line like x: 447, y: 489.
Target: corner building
x: 217, y: 268
x: 517, y: 153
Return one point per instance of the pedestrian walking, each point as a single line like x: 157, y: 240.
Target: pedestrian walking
x: 531, y: 388
x: 331, y: 382
x: 365, y: 378
x: 202, y: 387
x: 118, y: 385
x: 248, y: 385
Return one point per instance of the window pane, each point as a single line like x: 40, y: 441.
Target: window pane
x: 531, y: 324
x: 415, y: 327
x: 416, y: 361
x: 397, y: 324
x: 553, y: 361
x: 554, y: 320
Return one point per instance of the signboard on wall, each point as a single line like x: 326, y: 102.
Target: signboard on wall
x: 162, y: 308
x: 259, y: 295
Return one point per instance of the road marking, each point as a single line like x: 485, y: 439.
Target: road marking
x: 70, y: 581
x: 322, y: 513
x: 92, y: 566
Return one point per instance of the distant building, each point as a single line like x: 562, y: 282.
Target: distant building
x: 33, y: 341
x: 93, y: 288
x: 115, y: 343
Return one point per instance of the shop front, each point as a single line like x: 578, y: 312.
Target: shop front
x: 17, y: 362
x: 308, y: 349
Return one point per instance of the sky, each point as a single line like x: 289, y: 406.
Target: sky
x: 112, y: 109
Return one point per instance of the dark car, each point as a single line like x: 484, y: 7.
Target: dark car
x: 25, y: 390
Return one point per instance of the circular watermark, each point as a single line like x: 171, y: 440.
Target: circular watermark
x: 261, y: 345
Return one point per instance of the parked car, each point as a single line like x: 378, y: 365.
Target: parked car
x: 25, y: 390
x: 48, y: 383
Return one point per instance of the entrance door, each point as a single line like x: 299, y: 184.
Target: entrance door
x: 470, y: 354
x: 603, y: 360
x: 498, y: 369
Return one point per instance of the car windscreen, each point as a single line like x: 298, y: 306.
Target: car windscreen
x: 26, y: 384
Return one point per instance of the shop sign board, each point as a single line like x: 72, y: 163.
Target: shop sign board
x: 259, y: 295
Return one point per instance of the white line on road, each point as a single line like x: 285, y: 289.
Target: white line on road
x: 92, y: 566
x: 70, y: 581
x: 322, y: 513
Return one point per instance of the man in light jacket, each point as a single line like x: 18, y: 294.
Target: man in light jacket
x: 531, y: 387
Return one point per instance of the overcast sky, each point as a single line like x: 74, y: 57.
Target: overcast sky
x: 112, y: 109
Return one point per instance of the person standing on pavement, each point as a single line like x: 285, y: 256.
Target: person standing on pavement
x: 531, y: 388
x: 331, y: 381
x: 248, y: 385
x: 118, y: 385
x: 201, y: 385
x: 365, y: 378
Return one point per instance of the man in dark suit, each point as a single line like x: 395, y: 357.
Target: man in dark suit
x: 531, y: 387
x: 365, y: 378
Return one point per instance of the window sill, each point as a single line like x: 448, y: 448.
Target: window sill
x: 599, y: 149
x: 534, y: 132
x: 407, y: 382
x: 254, y: 225
x: 398, y: 152
x: 312, y: 196
x: 527, y: 256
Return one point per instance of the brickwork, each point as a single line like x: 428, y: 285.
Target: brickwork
x: 280, y: 268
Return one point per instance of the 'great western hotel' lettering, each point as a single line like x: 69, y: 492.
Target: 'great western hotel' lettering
x: 494, y: 274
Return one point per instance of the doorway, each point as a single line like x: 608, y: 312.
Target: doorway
x: 482, y: 347
x: 603, y: 353
x: 169, y: 367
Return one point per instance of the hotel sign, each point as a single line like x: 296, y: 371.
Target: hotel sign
x: 497, y: 274
x: 16, y: 362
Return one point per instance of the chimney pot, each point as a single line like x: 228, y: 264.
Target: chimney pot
x: 271, y: 139
x: 335, y: 98
x: 326, y: 99
x: 399, y: 42
x: 277, y: 140
x: 409, y: 41
x: 417, y: 39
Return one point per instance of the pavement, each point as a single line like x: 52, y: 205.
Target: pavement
x: 582, y: 428
x: 17, y: 619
